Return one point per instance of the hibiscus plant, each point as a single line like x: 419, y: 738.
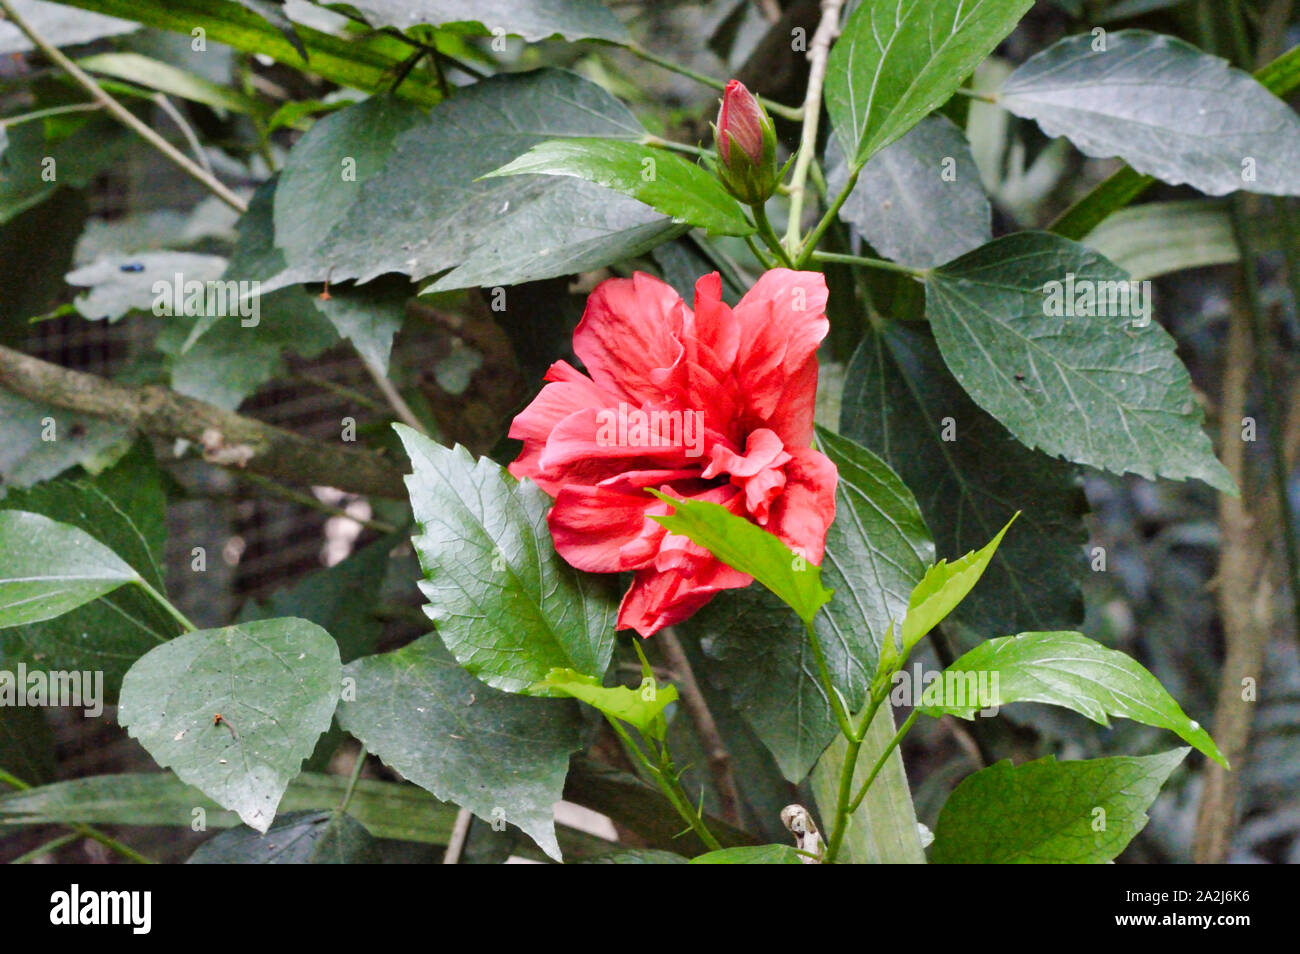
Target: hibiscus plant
x: 767, y: 448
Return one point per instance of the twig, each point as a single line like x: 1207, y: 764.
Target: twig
x: 785, y: 112
x: 459, y: 834
x: 724, y: 783
x: 8, y: 121
x: 121, y: 113
x: 308, y: 500
x: 262, y: 448
x: 175, y: 115
x: 818, y: 52
x: 393, y: 397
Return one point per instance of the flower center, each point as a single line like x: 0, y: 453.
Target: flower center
x: 758, y: 472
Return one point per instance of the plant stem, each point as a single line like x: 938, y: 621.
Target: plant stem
x: 52, y: 845
x: 393, y: 396
x: 832, y: 696
x: 352, y: 781
x: 785, y: 112
x: 121, y: 113
x: 880, y: 762
x: 8, y: 121
x: 862, y: 260
x: 166, y: 604
x: 809, y: 248
x: 308, y: 500
x: 768, y: 235
x: 818, y: 54
x: 678, y: 147
x: 845, y: 790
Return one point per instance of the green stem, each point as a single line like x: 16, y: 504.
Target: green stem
x: 862, y: 260
x: 880, y: 762
x: 809, y: 246
x: 786, y: 112
x: 85, y: 831
x: 52, y: 845
x: 352, y: 782
x: 307, y: 500
x: 8, y: 121
x: 845, y: 790
x: 832, y: 696
x: 819, y: 50
x: 768, y: 235
x: 166, y: 604
x: 758, y: 252
x: 678, y: 147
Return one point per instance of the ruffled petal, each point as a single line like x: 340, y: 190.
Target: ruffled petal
x: 629, y: 338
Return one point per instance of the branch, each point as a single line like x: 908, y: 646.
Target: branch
x: 227, y: 438
x: 819, y: 51
x: 705, y: 727
x: 121, y: 113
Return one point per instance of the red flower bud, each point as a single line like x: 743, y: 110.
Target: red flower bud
x: 746, y: 142
x: 741, y: 118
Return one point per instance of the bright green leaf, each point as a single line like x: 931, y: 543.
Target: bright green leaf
x: 665, y: 182
x: 756, y: 855
x: 749, y: 548
x: 1070, y: 670
x: 1082, y: 812
x: 165, y: 78
x: 620, y: 702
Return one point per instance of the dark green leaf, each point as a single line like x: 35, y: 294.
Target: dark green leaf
x: 1082, y: 812
x: 918, y: 201
x: 899, y: 400
x: 1165, y: 108
x: 1105, y: 390
x: 1070, y: 670
x: 638, y: 856
x: 507, y: 606
x: 502, y: 756
x: 898, y: 60
x: 274, y: 682
x: 491, y: 232
x: 26, y: 744
x: 308, y: 838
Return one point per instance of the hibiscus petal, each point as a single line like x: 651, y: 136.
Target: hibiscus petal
x: 782, y: 320
x: 591, y: 527
x: 628, y: 337
x: 804, y: 511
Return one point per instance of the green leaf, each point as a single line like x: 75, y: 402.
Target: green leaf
x: 78, y: 157
x: 1082, y: 812
x: 970, y: 476
x: 308, y: 838
x: 904, y: 189
x: 48, y: 568
x: 386, y: 809
x: 749, y: 548
x: 897, y: 60
x: 60, y: 26
x: 1108, y: 391
x: 273, y: 12
x: 940, y: 590
x: 502, y: 756
x: 876, y: 552
x: 665, y: 182
x: 28, y: 455
x: 1165, y: 108
x: 530, y: 19
x: 274, y: 682
x: 507, y: 606
x: 1070, y: 670
x: 353, y: 61
x: 165, y: 78
x: 620, y: 702
x: 111, y: 632
x: 755, y: 855
x: 497, y: 231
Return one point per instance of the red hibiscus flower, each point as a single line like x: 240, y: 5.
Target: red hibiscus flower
x: 712, y: 404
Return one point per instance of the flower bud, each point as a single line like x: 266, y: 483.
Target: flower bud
x: 746, y: 143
